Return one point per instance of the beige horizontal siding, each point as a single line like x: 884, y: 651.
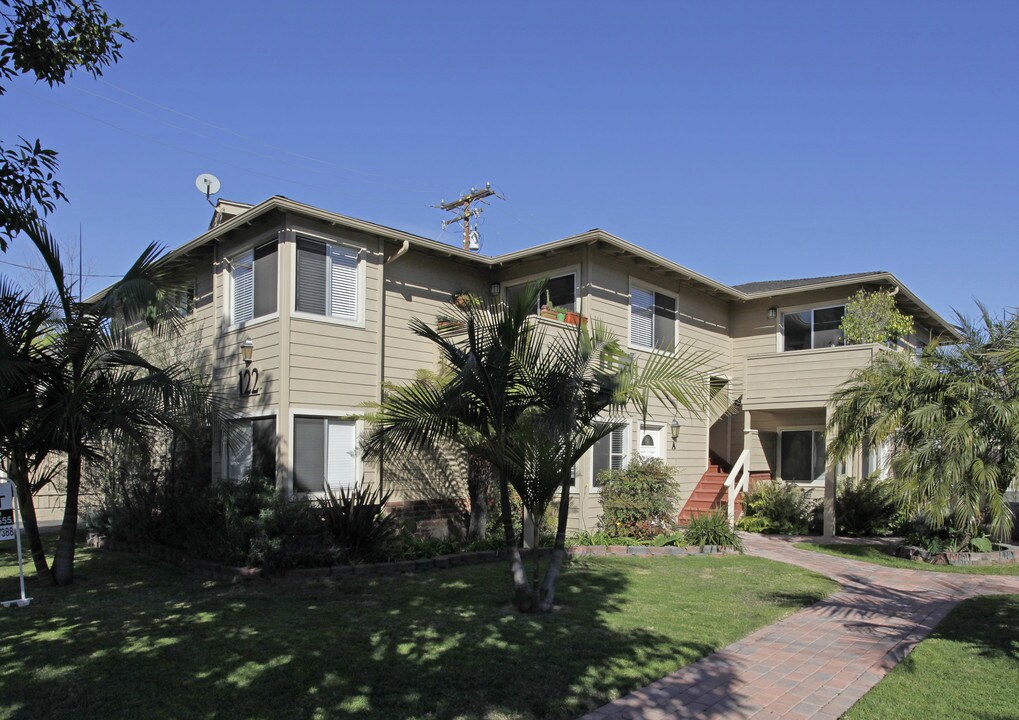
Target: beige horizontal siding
x: 803, y: 378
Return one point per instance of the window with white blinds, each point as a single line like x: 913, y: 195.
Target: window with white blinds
x: 341, y: 446
x: 253, y: 280
x: 642, y: 317
x: 242, y: 278
x: 325, y: 452
x: 653, y: 317
x: 327, y: 280
x: 609, y: 454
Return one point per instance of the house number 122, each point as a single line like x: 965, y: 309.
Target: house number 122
x: 247, y: 381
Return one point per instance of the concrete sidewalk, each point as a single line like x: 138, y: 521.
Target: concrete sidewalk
x: 817, y: 663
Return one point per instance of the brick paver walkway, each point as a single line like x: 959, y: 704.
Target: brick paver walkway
x: 817, y: 663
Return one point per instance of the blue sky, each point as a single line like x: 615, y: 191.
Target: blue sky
x: 748, y: 141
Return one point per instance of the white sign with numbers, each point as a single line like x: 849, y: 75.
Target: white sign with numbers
x: 10, y: 529
x: 7, y: 531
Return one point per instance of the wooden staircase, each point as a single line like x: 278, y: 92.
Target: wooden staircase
x: 711, y: 493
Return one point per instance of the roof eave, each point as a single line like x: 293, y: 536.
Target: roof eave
x: 886, y: 277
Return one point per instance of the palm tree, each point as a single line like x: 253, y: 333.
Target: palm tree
x: 535, y: 402
x: 951, y: 418
x: 25, y: 374
x: 100, y: 386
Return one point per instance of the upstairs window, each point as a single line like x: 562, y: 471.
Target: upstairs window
x: 653, y: 318
x: 559, y: 291
x: 815, y: 328
x: 327, y: 280
x: 325, y: 454
x: 253, y: 279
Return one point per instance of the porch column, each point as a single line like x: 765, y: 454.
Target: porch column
x: 829, y: 487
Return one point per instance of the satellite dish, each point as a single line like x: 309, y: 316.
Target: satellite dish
x: 208, y: 184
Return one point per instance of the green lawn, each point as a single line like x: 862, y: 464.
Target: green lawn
x: 967, y: 668
x: 878, y: 554
x: 137, y: 638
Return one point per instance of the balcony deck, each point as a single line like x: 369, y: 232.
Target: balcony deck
x: 801, y: 378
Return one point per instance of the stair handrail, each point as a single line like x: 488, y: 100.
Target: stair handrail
x: 737, y: 481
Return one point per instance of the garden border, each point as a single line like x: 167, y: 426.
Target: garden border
x: 218, y: 571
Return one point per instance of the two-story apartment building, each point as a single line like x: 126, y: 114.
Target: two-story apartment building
x: 302, y: 314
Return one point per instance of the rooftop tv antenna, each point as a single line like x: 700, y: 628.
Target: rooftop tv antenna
x: 208, y: 184
x: 467, y: 201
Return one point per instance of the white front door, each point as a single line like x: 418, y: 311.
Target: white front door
x: 650, y: 445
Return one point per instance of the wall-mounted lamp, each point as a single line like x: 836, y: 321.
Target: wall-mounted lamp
x: 772, y: 313
x: 674, y: 427
x: 496, y: 288
x: 247, y: 348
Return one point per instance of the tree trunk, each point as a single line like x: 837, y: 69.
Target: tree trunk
x: 478, y: 479
x: 29, y: 521
x: 523, y: 598
x: 546, y: 600
x: 63, y: 560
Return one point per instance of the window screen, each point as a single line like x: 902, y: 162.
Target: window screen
x: 327, y: 279
x: 253, y: 279
x: 266, y: 275
x: 653, y: 318
x: 325, y: 451
x: 802, y: 455
x: 560, y: 291
x: 665, y: 322
x: 251, y: 449
x: 809, y: 329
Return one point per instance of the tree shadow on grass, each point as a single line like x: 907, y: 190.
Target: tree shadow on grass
x: 989, y: 624
x: 141, y: 639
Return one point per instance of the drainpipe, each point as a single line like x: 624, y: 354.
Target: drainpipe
x: 380, y: 334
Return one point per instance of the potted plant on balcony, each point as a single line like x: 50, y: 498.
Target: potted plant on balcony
x: 550, y: 311
x: 575, y: 318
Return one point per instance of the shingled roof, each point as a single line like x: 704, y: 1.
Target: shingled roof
x: 773, y: 285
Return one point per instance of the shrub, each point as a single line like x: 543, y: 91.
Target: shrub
x: 289, y: 533
x: 359, y: 524
x: 863, y: 507
x: 712, y: 529
x: 638, y: 501
x: 775, y: 506
x: 946, y: 539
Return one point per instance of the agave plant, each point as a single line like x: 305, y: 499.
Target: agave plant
x: 358, y: 521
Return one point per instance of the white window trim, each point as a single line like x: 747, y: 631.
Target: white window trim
x: 627, y: 445
x: 253, y: 414
x: 637, y: 282
x: 228, y: 301
x: 780, y: 325
x: 362, y: 253
x: 557, y: 272
x: 778, y: 454
x: 349, y: 414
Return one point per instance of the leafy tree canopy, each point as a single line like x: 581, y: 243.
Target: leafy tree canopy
x: 872, y: 317
x: 49, y: 39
